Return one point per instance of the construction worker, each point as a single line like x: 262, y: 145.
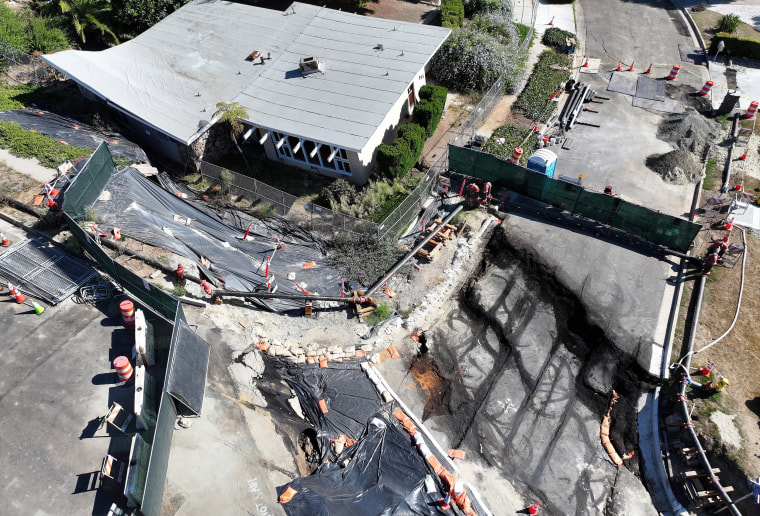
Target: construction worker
x: 608, y: 190
x: 180, y: 275
x: 722, y: 248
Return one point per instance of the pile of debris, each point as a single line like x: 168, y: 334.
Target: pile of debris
x: 692, y: 136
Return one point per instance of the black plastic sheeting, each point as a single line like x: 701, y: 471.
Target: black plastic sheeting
x: 188, y: 367
x: 350, y: 397
x: 74, y: 133
x: 385, y: 477
x: 148, y: 213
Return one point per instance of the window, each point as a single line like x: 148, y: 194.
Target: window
x: 297, y: 149
x: 410, y: 92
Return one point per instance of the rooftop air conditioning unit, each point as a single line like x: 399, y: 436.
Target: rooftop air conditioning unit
x: 311, y: 64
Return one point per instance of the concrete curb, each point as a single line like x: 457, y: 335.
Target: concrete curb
x: 695, y: 31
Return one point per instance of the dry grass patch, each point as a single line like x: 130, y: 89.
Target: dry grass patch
x: 707, y: 21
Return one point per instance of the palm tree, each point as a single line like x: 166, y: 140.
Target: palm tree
x: 231, y: 114
x: 83, y: 14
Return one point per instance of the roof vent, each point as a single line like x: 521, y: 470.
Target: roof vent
x: 311, y: 64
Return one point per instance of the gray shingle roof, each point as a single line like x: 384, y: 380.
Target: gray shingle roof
x: 202, y: 49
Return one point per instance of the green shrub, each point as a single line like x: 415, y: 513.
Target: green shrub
x: 728, y: 23
x: 513, y: 137
x: 27, y: 144
x: 416, y: 136
x: 474, y: 56
x: 42, y: 35
x: 12, y: 29
x: 452, y: 13
x: 394, y: 160
x: 381, y: 313
x: 475, y: 7
x: 534, y: 100
x: 428, y: 111
x: 740, y: 47
x: 555, y: 37
x: 336, y: 192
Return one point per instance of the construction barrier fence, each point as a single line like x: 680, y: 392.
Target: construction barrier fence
x: 658, y: 228
x: 85, y: 188
x: 311, y: 216
x: 317, y: 218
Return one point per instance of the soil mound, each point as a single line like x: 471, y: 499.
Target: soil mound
x: 690, y: 131
x: 678, y: 167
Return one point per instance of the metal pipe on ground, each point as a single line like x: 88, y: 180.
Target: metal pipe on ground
x: 410, y: 254
x: 730, y: 155
x: 701, y: 455
x: 576, y: 112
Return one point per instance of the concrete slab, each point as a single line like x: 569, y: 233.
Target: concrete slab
x: 622, y: 82
x: 649, y: 88
x: 667, y: 106
x: 57, y: 381
x: 594, y: 65
x: 738, y: 74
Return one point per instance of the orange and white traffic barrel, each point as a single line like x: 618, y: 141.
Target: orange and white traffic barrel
x: 127, y: 312
x: 123, y: 368
x: 674, y: 72
x: 706, y: 88
x: 752, y: 109
x: 516, y: 155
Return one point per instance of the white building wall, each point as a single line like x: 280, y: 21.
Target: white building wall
x: 386, y: 131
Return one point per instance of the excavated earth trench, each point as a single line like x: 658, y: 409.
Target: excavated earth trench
x: 520, y: 380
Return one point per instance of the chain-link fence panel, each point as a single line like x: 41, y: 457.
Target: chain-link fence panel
x: 17, y: 67
x: 86, y: 187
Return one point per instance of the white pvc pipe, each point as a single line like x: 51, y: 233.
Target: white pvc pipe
x: 739, y: 302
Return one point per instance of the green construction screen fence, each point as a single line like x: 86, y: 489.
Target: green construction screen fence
x: 86, y: 188
x: 655, y: 227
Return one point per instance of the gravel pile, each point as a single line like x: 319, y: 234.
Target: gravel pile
x: 678, y: 167
x: 690, y: 131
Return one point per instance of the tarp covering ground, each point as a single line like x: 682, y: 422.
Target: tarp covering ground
x: 385, y: 474
x: 74, y: 133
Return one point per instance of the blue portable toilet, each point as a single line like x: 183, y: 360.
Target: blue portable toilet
x: 544, y: 161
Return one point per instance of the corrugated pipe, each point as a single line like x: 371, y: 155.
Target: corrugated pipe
x: 701, y: 456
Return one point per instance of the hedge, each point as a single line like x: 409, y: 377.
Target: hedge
x: 415, y: 135
x: 739, y: 47
x: 27, y: 144
x: 534, y: 99
x: 398, y: 158
x: 428, y: 111
x: 555, y: 37
x: 452, y: 13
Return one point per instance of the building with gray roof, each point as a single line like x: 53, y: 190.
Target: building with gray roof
x: 323, y: 88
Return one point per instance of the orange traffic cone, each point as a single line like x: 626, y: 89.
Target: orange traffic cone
x: 706, y: 370
x: 551, y: 22
x: 620, y: 66
x: 585, y: 62
x: 742, y: 157
x: 630, y: 68
x: 649, y: 70
x: 5, y: 241
x: 20, y: 298
x: 533, y: 509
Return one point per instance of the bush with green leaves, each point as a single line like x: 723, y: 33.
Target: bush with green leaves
x: 132, y: 17
x: 415, y: 135
x: 396, y: 159
x: 475, y: 7
x: 513, y: 137
x: 452, y: 13
x: 534, y: 100
x: 728, y: 23
x: 474, y: 56
x: 428, y: 111
x: 12, y: 29
x: 740, y: 47
x: 337, y: 192
x: 555, y: 37
x: 349, y: 253
x: 9, y: 95
x: 379, y: 314
x: 28, y: 144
